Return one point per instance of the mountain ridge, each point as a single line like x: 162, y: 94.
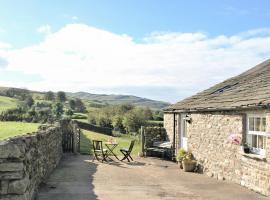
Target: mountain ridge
x: 119, y: 98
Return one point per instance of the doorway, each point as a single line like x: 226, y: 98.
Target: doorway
x: 183, y: 132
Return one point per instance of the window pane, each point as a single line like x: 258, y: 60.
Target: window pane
x: 249, y: 140
x: 263, y: 125
x: 251, y: 123
x: 260, y: 142
x: 254, y: 141
x: 184, y: 128
x: 257, y: 124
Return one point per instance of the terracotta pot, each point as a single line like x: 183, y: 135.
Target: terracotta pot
x: 189, y: 165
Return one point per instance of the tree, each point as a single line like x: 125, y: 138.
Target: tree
x: 79, y: 105
x: 72, y: 104
x: 133, y: 120
x: 117, y: 123
x: 123, y: 108
x: 58, y: 109
x: 158, y: 115
x: 103, y: 120
x: 69, y: 112
x: 61, y: 96
x: 21, y: 94
x: 148, y: 113
x: 29, y: 101
x: 49, y: 96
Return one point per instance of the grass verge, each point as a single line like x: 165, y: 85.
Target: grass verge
x: 11, y: 129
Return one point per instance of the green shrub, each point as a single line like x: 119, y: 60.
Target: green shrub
x: 181, y: 154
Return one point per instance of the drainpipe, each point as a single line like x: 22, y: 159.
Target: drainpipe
x: 173, y: 156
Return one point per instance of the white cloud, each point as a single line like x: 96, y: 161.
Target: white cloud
x: 75, y: 18
x: 81, y: 57
x: 45, y: 29
x: 5, y: 45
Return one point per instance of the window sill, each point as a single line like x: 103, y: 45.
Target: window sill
x: 253, y: 156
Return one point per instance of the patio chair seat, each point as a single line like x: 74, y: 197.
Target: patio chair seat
x: 124, y: 149
x: 127, y: 151
x: 101, y: 150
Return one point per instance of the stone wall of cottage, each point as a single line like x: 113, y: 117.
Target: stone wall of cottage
x: 208, y: 140
x: 25, y: 161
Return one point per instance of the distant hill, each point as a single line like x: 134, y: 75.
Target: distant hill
x: 100, y: 99
x: 119, y: 99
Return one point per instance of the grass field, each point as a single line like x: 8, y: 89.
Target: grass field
x: 123, y: 142
x: 7, y: 103
x: 11, y: 129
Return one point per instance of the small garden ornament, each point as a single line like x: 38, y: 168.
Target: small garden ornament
x: 234, y: 139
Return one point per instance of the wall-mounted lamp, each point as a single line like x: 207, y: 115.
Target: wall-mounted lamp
x: 188, y: 119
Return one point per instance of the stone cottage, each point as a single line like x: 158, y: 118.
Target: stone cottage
x: 236, y: 108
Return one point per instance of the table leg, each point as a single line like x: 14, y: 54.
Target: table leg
x: 111, y: 150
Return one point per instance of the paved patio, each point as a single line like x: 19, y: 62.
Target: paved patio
x: 78, y: 178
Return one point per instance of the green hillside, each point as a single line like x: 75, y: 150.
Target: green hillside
x: 7, y: 103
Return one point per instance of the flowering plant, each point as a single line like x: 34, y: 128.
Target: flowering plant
x: 234, y: 139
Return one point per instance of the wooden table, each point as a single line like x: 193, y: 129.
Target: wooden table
x: 111, y: 146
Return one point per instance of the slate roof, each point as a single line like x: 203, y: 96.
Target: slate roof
x: 250, y: 89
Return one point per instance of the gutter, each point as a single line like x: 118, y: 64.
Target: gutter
x: 173, y: 156
x: 244, y: 108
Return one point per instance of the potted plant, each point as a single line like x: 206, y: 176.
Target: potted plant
x: 179, y: 157
x: 188, y: 162
x: 246, y: 148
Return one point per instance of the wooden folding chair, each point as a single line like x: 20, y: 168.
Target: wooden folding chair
x: 126, y: 152
x: 99, y: 151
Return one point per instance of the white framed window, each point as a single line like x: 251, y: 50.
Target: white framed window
x: 256, y: 133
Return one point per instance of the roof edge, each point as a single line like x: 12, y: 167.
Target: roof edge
x: 254, y: 107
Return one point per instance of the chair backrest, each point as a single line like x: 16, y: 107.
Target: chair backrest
x: 131, y: 145
x: 97, y: 145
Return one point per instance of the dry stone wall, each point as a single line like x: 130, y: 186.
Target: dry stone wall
x: 154, y: 134
x: 26, y: 161
x: 168, y: 125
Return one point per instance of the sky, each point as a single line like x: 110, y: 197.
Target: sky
x: 163, y: 50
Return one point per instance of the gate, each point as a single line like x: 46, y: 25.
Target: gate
x: 67, y: 142
x: 70, y: 136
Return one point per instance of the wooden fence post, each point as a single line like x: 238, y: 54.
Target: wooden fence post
x: 142, y: 141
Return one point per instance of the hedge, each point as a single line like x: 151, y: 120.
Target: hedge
x: 91, y: 127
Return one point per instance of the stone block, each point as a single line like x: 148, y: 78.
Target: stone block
x: 11, y: 175
x: 11, y: 166
x: 11, y: 150
x: 3, y: 187
x: 18, y: 186
x: 13, y: 197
